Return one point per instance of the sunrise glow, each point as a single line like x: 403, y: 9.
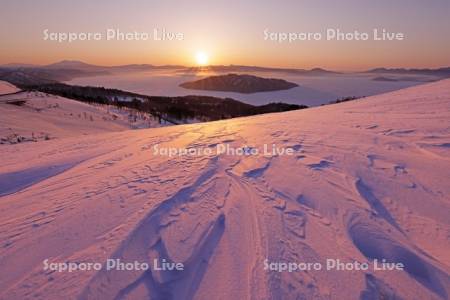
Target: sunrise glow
x: 201, y: 58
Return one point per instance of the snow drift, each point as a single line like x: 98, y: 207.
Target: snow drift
x: 369, y: 179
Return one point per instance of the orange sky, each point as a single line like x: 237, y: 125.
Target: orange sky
x: 230, y: 32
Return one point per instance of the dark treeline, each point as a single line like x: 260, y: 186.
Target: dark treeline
x: 171, y: 109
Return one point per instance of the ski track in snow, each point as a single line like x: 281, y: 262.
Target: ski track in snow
x: 368, y: 180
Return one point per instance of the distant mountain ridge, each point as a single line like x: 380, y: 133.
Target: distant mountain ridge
x: 65, y: 70
x: 80, y: 65
x: 70, y: 64
x: 441, y: 72
x: 241, y: 68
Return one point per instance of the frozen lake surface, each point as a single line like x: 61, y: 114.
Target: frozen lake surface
x: 312, y: 90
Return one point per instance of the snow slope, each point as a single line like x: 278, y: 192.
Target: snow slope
x: 35, y: 116
x: 369, y: 179
x: 7, y: 88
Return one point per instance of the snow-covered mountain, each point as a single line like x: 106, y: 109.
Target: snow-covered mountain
x: 366, y: 179
x: 29, y: 116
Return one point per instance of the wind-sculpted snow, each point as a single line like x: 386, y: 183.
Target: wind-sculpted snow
x: 16, y: 181
x: 375, y: 244
x: 366, y: 180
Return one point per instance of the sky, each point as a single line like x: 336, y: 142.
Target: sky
x: 229, y: 32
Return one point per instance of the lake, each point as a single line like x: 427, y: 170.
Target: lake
x: 312, y: 90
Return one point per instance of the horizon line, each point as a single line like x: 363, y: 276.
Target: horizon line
x: 221, y: 65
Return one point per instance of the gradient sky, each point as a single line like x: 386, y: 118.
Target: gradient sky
x: 230, y: 31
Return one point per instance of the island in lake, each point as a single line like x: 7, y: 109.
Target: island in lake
x: 239, y: 83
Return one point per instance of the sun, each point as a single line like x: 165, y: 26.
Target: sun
x: 201, y: 58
